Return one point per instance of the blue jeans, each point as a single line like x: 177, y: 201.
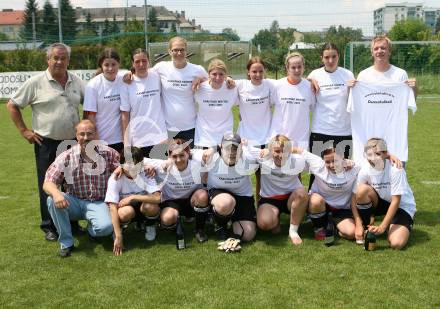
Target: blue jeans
x: 96, y: 213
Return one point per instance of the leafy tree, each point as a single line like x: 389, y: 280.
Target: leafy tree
x: 68, y: 20
x: 230, y: 34
x: 90, y: 25
x: 286, y: 37
x: 49, y: 31
x: 342, y: 35
x: 114, y: 28
x: 3, y: 37
x: 410, y: 30
x: 106, y: 30
x: 312, y: 37
x: 26, y: 32
x: 152, y: 17
x: 265, y: 39
x: 274, y: 27
x: 173, y: 28
x: 437, y: 25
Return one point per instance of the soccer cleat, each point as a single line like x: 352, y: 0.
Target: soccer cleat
x: 150, y: 232
x: 222, y: 232
x: 320, y: 233
x: 201, y: 235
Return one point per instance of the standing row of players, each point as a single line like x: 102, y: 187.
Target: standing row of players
x: 293, y: 98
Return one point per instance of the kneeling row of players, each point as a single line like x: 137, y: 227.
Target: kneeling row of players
x: 352, y: 194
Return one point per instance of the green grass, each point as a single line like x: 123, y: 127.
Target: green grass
x: 268, y: 273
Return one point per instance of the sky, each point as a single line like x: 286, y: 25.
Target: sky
x: 249, y: 16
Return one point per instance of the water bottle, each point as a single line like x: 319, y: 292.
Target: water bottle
x: 180, y: 235
x: 329, y: 231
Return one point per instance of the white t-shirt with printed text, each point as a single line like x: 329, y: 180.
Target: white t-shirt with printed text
x: 177, y: 96
x: 291, y: 117
x: 391, y: 181
x: 117, y: 189
x: 214, y: 116
x: 177, y: 184
x: 330, y: 114
x: 255, y: 102
x: 104, y: 98
x: 235, y: 179
x: 142, y: 100
x: 278, y: 180
x: 380, y: 110
x: 335, y: 189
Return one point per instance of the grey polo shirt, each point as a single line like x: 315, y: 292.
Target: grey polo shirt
x: 54, y: 108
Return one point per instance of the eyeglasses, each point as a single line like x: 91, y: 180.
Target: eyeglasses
x: 178, y: 50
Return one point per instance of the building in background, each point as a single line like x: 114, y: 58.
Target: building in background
x: 11, y: 23
x: 385, y: 17
x: 167, y: 20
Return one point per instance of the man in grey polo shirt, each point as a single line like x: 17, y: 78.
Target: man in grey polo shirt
x: 54, y: 97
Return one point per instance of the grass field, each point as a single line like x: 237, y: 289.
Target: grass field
x: 268, y: 273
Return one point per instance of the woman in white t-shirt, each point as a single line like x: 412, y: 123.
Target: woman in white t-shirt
x: 255, y: 96
x: 383, y: 189
x: 132, y: 196
x: 141, y: 107
x: 102, y: 99
x: 294, y: 100
x: 230, y: 188
x: 215, y: 102
x: 176, y: 78
x: 181, y: 184
x: 332, y: 191
x: 281, y: 189
x: 331, y: 121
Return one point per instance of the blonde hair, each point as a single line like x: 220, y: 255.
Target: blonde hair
x: 378, y: 144
x: 378, y: 39
x: 177, y: 39
x: 280, y: 140
x: 217, y: 64
x: 294, y: 54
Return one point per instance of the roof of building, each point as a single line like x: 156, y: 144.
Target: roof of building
x: 11, y: 18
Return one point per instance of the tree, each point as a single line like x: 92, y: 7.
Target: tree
x: 26, y: 33
x: 106, y: 30
x: 274, y: 27
x: 152, y: 17
x: 342, y: 35
x: 410, y: 30
x: 231, y: 34
x: 90, y: 25
x: 3, y: 37
x: 49, y: 31
x: 68, y: 20
x: 265, y: 39
x: 437, y: 25
x: 114, y: 28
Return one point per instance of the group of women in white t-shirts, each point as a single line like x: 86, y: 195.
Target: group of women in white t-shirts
x: 179, y: 105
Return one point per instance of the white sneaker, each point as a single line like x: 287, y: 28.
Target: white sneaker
x: 150, y: 232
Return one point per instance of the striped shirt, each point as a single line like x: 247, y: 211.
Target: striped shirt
x: 80, y: 178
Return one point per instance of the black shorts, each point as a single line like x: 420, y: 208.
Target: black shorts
x: 183, y: 206
x: 401, y: 217
x: 187, y: 135
x: 158, y: 151
x: 119, y: 147
x: 339, y: 214
x: 139, y: 216
x: 244, y: 206
x: 280, y: 204
x: 317, y: 139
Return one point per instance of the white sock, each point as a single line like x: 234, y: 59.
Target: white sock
x: 293, y: 230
